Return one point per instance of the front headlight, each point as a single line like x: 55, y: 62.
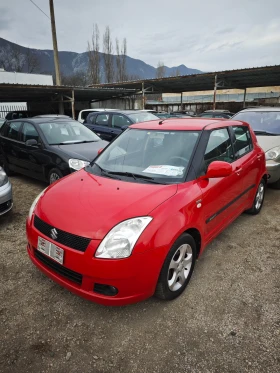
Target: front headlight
x: 77, y: 164
x: 3, y: 177
x: 273, y: 154
x: 32, y: 208
x: 120, y: 241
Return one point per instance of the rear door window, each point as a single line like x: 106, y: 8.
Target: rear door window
x: 11, y: 130
x: 242, y: 141
x: 102, y: 119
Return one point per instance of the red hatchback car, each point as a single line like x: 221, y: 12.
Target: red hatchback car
x: 132, y: 223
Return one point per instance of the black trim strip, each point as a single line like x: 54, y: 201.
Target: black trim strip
x: 230, y: 203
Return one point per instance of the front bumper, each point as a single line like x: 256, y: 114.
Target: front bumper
x: 135, y: 277
x: 273, y: 170
x: 6, y: 198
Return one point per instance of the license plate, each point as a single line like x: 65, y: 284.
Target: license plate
x: 51, y: 250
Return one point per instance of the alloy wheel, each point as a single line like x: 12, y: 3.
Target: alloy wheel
x: 259, y: 196
x: 54, y: 177
x: 179, y: 267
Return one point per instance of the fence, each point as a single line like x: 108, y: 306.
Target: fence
x: 5, y: 109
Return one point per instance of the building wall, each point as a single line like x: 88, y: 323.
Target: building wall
x: 23, y: 78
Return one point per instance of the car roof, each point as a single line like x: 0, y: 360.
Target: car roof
x: 261, y: 108
x: 190, y: 124
x: 44, y: 120
x: 127, y: 112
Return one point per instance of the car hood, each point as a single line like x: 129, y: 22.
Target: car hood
x: 84, y: 151
x: 88, y: 205
x: 268, y: 142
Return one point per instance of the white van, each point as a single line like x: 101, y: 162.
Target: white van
x: 84, y: 113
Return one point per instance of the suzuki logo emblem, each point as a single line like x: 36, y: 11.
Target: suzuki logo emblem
x: 54, y: 234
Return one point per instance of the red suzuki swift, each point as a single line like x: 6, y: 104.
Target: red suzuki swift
x: 133, y: 222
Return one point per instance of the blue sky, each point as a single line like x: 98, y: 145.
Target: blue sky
x: 207, y: 35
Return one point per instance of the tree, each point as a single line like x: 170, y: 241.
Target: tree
x: 32, y: 61
x: 13, y: 59
x: 160, y: 71
x: 77, y: 79
x: 108, y: 56
x: 94, y: 57
x: 121, y: 73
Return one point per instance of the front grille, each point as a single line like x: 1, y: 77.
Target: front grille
x: 65, y: 238
x: 58, y: 268
x: 5, y: 206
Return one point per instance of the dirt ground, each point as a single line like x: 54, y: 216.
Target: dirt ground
x: 228, y: 319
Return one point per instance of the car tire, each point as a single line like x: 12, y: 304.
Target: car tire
x: 177, y: 268
x: 54, y: 175
x: 258, y: 200
x: 7, y: 169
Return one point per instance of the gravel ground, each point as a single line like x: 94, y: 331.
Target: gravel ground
x: 227, y: 320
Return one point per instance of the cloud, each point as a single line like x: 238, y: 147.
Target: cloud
x: 5, y: 19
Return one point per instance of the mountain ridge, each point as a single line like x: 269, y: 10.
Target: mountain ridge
x: 14, y: 56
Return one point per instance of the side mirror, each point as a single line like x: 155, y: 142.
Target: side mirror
x: 31, y: 142
x: 100, y: 151
x: 218, y: 169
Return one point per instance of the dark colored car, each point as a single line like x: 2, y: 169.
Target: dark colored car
x: 109, y: 125
x: 2, y: 121
x: 183, y: 113
x: 18, y: 115
x: 47, y: 149
x: 216, y: 114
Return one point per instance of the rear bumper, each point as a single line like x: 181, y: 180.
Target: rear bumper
x: 135, y: 277
x: 273, y: 170
x: 6, y: 198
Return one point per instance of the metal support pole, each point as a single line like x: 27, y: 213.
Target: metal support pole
x: 244, y: 97
x: 181, y: 100
x: 143, y: 96
x: 215, y: 92
x: 73, y: 104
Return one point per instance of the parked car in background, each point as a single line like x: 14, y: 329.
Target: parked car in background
x: 265, y: 122
x: 110, y: 124
x: 6, y: 195
x: 2, y: 121
x: 216, y: 114
x: 18, y: 114
x: 164, y: 115
x: 184, y: 112
x: 133, y: 222
x: 45, y: 148
x: 58, y: 116
x: 84, y: 113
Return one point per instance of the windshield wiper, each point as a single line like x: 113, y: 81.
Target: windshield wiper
x: 136, y: 176
x: 266, y: 133
x: 106, y: 173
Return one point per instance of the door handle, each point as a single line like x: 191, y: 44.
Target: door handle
x: 259, y: 157
x: 238, y: 170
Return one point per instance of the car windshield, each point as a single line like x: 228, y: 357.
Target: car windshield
x: 261, y: 121
x: 147, y: 156
x: 67, y: 132
x: 142, y: 117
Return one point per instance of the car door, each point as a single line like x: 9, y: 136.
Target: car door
x: 247, y: 161
x: 100, y: 124
x: 219, y: 195
x: 119, y: 124
x: 31, y: 155
x: 10, y: 145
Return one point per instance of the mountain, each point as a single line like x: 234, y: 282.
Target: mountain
x: 14, y: 57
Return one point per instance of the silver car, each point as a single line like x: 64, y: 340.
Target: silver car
x: 6, y: 195
x: 265, y: 122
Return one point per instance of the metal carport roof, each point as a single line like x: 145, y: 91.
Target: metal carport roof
x: 241, y: 79
x: 40, y: 93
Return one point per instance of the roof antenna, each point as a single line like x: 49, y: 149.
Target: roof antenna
x: 161, y: 121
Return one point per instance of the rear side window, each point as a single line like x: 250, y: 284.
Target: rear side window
x: 84, y: 114
x: 102, y: 119
x: 11, y: 130
x: 119, y: 121
x: 242, y: 142
x: 219, y: 147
